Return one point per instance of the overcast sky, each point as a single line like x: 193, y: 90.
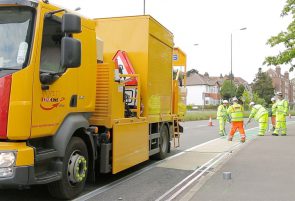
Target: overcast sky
x: 209, y: 24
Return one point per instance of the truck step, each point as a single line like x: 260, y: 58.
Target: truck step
x: 43, y: 154
x: 48, y: 177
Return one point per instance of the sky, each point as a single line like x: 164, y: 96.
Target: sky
x: 209, y: 24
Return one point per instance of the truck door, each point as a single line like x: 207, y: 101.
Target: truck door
x: 54, y: 88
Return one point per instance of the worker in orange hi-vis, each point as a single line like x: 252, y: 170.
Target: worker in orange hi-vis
x: 273, y: 113
x: 236, y: 112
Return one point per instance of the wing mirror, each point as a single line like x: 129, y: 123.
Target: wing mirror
x: 70, y: 52
x: 71, y: 23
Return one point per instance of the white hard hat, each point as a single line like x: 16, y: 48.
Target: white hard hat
x: 225, y: 102
x: 279, y: 93
x: 252, y: 103
x: 273, y: 99
x: 235, y: 99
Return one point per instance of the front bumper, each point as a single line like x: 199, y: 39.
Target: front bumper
x: 21, y: 176
x: 23, y: 167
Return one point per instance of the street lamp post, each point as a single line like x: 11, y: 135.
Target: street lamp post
x: 143, y: 7
x: 204, y: 93
x: 231, y: 54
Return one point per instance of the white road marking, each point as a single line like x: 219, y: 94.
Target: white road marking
x: 197, y: 177
x: 188, y: 177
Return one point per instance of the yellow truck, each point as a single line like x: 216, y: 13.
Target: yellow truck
x: 66, y: 111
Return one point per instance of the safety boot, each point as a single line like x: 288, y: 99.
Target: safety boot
x: 274, y: 134
x: 243, y: 140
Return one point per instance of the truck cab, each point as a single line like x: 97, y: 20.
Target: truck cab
x: 47, y: 89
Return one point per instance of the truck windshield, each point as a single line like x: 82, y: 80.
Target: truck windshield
x: 16, y: 30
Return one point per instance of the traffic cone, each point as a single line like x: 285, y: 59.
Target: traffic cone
x: 210, y: 122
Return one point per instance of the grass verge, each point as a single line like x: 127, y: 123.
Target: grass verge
x: 205, y: 115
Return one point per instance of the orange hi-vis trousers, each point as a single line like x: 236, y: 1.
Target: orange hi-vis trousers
x: 273, y: 120
x: 237, y: 125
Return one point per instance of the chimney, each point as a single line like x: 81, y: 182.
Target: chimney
x: 286, y: 75
x: 278, y: 71
x: 206, y: 75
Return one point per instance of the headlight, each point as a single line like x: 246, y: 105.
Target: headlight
x: 7, y: 159
x: 6, y: 172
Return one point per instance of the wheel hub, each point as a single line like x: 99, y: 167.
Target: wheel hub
x: 77, y: 168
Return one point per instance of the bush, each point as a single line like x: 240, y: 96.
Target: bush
x: 211, y: 107
x: 189, y: 107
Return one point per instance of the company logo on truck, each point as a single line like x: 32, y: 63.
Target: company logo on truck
x: 51, y: 103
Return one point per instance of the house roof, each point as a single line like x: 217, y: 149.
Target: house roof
x: 272, y: 72
x: 198, y: 79
x: 240, y: 80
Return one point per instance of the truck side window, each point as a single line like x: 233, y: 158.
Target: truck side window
x: 51, y: 46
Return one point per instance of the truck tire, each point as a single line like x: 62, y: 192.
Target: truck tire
x: 74, y: 174
x: 163, y: 144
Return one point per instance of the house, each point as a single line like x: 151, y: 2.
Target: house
x: 282, y: 83
x: 205, y: 90
x: 201, y: 90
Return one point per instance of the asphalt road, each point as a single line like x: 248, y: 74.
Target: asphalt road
x: 147, y: 185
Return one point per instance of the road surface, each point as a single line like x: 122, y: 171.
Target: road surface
x: 154, y: 180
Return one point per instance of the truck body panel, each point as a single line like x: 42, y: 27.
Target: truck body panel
x: 149, y: 46
x: 130, y: 145
x: 109, y: 103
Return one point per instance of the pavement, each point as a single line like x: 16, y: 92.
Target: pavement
x: 261, y: 170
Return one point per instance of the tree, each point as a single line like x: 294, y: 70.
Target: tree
x: 286, y: 38
x: 247, y: 98
x: 258, y: 100
x: 228, y: 90
x: 240, y: 91
x: 262, y: 86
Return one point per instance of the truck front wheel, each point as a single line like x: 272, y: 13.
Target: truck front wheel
x: 75, y: 165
